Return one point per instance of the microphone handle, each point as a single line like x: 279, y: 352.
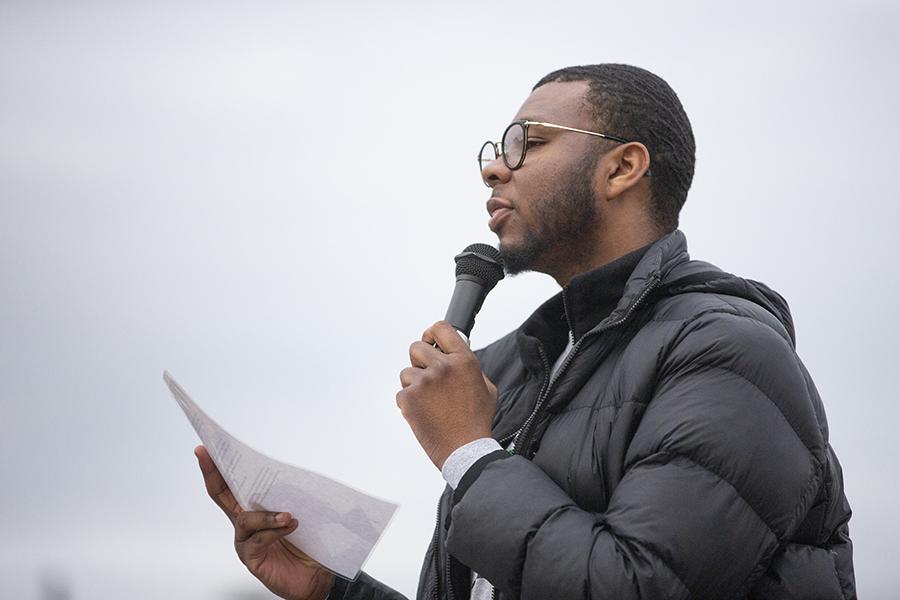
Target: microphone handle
x: 468, y: 296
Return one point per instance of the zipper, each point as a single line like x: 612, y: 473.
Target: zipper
x: 436, y: 547
x: 521, y: 435
x: 435, y: 541
x: 545, y: 387
x: 505, y: 441
x: 449, y: 578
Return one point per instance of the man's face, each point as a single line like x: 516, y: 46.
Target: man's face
x: 544, y: 213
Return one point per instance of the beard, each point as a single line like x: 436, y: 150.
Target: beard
x: 565, y: 221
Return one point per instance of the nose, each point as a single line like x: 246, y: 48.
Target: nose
x: 495, y: 172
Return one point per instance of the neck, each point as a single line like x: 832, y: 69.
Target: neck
x: 610, y: 244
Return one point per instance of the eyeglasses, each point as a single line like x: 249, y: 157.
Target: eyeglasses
x: 514, y: 144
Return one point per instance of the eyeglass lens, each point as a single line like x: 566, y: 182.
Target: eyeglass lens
x: 514, y: 145
x: 487, y: 155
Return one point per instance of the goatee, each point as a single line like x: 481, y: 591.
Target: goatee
x: 565, y: 221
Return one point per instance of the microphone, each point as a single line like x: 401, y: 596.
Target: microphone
x: 478, y: 269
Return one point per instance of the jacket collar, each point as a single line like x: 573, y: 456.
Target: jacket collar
x: 590, y: 297
x: 655, y: 268
x: 545, y: 333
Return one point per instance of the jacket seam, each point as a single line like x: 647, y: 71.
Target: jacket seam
x: 602, y: 406
x: 693, y: 461
x: 759, y: 566
x: 742, y: 376
x: 724, y: 299
x: 652, y: 550
x: 728, y: 309
x: 767, y: 397
x: 815, y: 463
x: 633, y: 541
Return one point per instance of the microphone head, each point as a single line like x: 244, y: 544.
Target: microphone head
x: 481, y: 261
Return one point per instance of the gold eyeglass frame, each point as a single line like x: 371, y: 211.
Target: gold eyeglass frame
x: 524, y: 124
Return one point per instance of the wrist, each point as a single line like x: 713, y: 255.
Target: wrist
x: 459, y: 461
x: 455, y: 445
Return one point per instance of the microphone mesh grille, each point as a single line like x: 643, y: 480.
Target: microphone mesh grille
x: 482, y: 261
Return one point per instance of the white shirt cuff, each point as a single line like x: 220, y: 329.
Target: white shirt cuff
x: 464, y: 457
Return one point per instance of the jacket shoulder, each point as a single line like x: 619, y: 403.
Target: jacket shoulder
x: 705, y: 306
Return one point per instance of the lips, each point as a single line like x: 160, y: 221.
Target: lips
x: 497, y: 218
x: 499, y: 209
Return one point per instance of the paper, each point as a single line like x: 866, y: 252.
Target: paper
x: 339, y: 526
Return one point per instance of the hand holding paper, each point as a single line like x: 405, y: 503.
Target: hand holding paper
x: 336, y: 526
x: 260, y: 544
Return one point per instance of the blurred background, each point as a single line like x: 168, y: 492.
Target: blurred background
x: 265, y: 198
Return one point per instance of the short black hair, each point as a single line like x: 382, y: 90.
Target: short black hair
x: 637, y: 105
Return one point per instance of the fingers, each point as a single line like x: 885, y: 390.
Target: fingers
x: 422, y: 354
x: 446, y: 337
x: 215, y: 484
x: 252, y: 545
x: 409, y: 375
x: 254, y: 531
x: 252, y: 522
x: 262, y: 539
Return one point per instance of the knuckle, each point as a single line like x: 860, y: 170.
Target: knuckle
x: 440, y: 368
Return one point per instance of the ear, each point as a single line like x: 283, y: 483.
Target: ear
x: 626, y: 166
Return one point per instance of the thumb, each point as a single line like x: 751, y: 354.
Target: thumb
x: 446, y: 337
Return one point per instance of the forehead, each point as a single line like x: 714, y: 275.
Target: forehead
x: 561, y: 103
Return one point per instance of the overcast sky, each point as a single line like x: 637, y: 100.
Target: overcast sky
x: 265, y: 199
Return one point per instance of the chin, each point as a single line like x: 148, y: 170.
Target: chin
x: 517, y: 258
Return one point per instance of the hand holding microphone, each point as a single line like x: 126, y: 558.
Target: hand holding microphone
x: 446, y: 399
x: 478, y: 269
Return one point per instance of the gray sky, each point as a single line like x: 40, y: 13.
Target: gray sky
x: 265, y: 198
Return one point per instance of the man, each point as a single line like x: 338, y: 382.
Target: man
x: 652, y: 433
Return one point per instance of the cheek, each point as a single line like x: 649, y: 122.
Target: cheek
x: 536, y: 193
x: 548, y: 173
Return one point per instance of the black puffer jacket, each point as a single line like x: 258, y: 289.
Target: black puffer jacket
x: 681, y: 452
